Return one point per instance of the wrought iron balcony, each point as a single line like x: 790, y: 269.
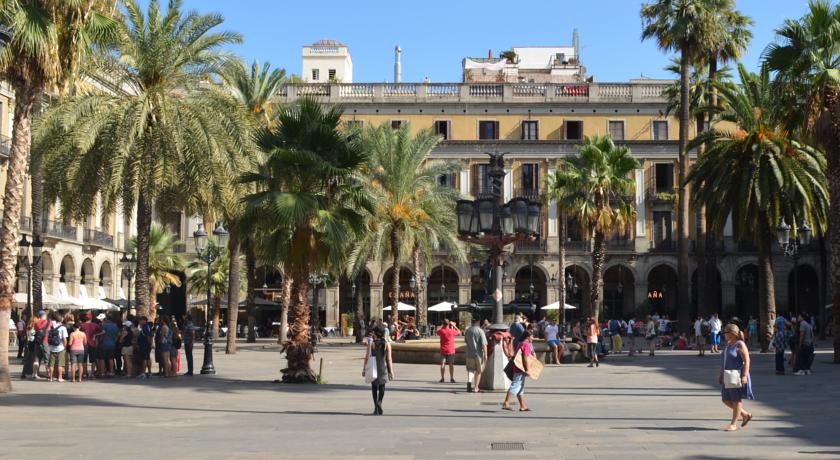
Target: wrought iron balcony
x: 621, y: 245
x: 529, y: 247
x: 663, y: 246
x: 98, y: 238
x: 531, y: 194
x: 58, y: 229
x: 578, y: 246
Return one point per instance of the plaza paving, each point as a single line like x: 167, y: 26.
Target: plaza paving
x: 641, y: 407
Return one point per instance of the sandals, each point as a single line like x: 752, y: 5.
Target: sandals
x: 527, y: 409
x: 507, y: 408
x: 746, y: 419
x: 731, y: 428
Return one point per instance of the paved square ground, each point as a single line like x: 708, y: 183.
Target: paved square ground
x: 667, y: 406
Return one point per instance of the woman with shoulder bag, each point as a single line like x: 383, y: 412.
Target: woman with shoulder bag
x: 517, y: 381
x: 734, y: 377
x: 381, y: 368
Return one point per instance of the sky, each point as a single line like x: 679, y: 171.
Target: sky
x: 436, y: 34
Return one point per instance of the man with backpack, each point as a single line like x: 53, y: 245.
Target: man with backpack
x: 615, y: 327
x: 41, y: 353
x: 57, y: 341
x: 145, y: 339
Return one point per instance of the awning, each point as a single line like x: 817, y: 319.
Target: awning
x: 401, y: 307
x: 443, y: 306
x: 556, y: 306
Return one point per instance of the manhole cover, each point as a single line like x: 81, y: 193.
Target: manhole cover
x: 507, y: 446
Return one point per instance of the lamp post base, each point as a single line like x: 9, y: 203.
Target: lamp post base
x: 493, y: 378
x: 208, y: 368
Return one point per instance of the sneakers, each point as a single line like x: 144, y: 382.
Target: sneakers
x: 808, y: 372
x: 799, y: 373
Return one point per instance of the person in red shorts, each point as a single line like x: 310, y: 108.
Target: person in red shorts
x: 92, y: 332
x: 447, y: 334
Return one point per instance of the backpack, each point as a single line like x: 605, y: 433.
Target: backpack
x: 705, y: 329
x: 40, y: 334
x: 54, y: 337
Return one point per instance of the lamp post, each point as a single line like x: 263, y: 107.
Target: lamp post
x: 487, y: 221
x: 129, y: 266
x: 23, y: 259
x: 791, y: 248
x: 208, y: 254
x: 315, y: 279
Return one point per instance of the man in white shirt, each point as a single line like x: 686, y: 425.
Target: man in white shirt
x: 700, y: 328
x: 631, y: 337
x: 714, y: 330
x: 554, y: 344
x: 56, y: 341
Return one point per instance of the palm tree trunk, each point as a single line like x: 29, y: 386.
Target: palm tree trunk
x: 36, y: 179
x: 217, y: 312
x: 233, y: 291
x: 700, y: 241
x: 561, y: 272
x: 286, y: 295
x: 360, y: 309
x: 683, y: 279
x: 598, y: 258
x: 766, y: 284
x: 832, y: 148
x: 420, y: 302
x: 711, y: 290
x: 299, y: 350
x: 25, y: 97
x: 144, y: 228
x: 316, y: 308
x: 251, y: 275
x: 395, y: 278
x: 153, y: 309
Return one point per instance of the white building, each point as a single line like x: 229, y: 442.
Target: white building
x: 327, y: 61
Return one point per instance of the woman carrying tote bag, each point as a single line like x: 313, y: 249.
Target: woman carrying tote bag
x: 378, y: 367
x: 734, y: 378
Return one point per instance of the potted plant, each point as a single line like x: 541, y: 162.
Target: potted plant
x: 509, y: 56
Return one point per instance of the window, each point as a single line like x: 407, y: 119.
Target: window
x: 661, y: 228
x: 441, y: 128
x: 574, y: 130
x: 488, y: 129
x: 396, y: 124
x: 315, y: 74
x: 530, y: 178
x: 447, y: 180
x: 530, y: 130
x: 480, y: 180
x: 660, y: 130
x: 664, y: 177
x: 331, y: 74
x: 616, y: 128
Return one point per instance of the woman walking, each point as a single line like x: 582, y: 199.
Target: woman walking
x: 735, y: 358
x: 517, y: 383
x: 382, y: 368
x: 592, y: 342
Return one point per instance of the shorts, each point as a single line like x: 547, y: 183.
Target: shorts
x: 77, y: 356
x: 517, y: 384
x: 127, y: 351
x: 164, y: 347
x: 173, y: 352
x: 553, y: 343
x: 105, y: 353
x: 448, y: 359
x: 701, y: 339
x: 43, y: 353
x: 58, y: 358
x: 145, y: 353
x: 90, y: 354
x: 475, y: 364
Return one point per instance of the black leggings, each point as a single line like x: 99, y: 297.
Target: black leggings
x: 378, y: 391
x: 592, y: 348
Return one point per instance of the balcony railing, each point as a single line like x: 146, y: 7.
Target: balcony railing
x: 483, y: 191
x: 98, y: 238
x: 578, y: 246
x: 532, y: 194
x: 634, y: 92
x: 662, y: 194
x: 621, y: 245
x: 529, y: 247
x: 663, y: 246
x: 58, y: 230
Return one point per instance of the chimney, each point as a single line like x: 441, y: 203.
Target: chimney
x: 490, y: 54
x: 397, y: 64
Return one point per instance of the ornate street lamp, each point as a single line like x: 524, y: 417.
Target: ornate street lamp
x: 792, y: 248
x: 489, y: 222
x: 208, y: 254
x: 129, y: 267
x: 23, y: 260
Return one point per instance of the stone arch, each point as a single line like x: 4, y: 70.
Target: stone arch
x: 579, y: 294
x: 105, y: 279
x: 662, y: 289
x: 446, y: 276
x: 746, y: 293
x: 526, y: 277
x: 405, y: 292
x: 67, y: 273
x: 803, y: 289
x: 619, y: 291
x: 48, y: 270
x: 87, y: 274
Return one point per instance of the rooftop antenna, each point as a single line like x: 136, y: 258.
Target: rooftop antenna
x: 397, y: 64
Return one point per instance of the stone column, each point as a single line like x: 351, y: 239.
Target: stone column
x: 332, y: 305
x: 552, y: 206
x: 508, y: 184
x: 464, y: 293
x: 465, y: 179
x: 640, y: 293
x: 641, y: 212
x: 376, y: 301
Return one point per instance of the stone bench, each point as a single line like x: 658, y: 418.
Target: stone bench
x: 427, y: 351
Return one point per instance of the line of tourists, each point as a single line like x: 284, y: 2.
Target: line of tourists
x: 103, y: 346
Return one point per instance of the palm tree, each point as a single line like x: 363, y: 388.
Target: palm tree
x: 594, y: 185
x: 758, y: 175
x: 48, y: 40
x: 256, y: 91
x: 683, y: 26
x: 165, y: 127
x: 414, y: 214
x: 163, y: 261
x: 806, y: 60
x: 309, y: 205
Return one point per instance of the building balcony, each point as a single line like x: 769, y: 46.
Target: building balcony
x: 582, y: 246
x: 56, y: 229
x: 529, y: 247
x: 484, y: 191
x: 621, y: 245
x: 530, y: 194
x: 97, y: 238
x: 661, y: 195
x: 663, y: 246
x: 578, y: 92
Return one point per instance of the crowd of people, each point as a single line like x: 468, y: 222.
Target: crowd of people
x: 103, y: 346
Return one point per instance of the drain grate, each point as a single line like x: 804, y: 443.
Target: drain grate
x: 507, y: 446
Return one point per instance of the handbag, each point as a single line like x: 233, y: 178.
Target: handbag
x: 731, y: 377
x: 510, y: 366
x: 370, y: 372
